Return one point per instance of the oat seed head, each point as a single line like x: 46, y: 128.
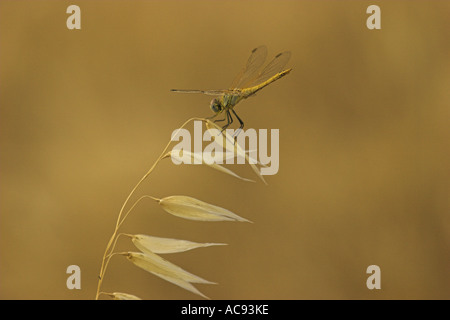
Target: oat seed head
x: 194, y: 209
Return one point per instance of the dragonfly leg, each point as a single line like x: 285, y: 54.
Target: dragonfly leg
x: 213, y: 116
x: 230, y: 121
x: 231, y: 118
x: 241, y: 123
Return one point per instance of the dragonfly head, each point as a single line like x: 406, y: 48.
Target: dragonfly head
x: 216, y: 106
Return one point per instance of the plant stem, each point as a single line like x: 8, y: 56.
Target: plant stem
x: 119, y: 221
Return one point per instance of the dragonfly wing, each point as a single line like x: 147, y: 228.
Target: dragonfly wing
x: 250, y: 71
x: 249, y: 74
x: 275, y: 66
x: 207, y: 92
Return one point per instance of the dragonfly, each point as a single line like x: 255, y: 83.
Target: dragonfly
x: 249, y: 81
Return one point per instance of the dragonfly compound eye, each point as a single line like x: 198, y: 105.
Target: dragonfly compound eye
x: 216, y: 106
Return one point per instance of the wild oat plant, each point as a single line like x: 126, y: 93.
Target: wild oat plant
x: 150, y: 247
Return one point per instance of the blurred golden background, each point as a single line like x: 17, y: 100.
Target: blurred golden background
x: 364, y: 146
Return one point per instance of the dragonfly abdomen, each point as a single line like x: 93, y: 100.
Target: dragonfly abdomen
x: 252, y: 90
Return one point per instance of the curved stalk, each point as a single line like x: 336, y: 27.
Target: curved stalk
x: 108, y: 251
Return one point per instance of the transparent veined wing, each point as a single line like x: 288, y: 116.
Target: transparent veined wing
x: 274, y: 67
x: 207, y: 92
x: 250, y: 74
x: 251, y: 69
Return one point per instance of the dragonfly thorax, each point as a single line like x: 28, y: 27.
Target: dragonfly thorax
x: 216, y: 105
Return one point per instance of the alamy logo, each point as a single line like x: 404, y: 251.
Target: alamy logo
x: 223, y: 148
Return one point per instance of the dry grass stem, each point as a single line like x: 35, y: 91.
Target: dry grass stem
x: 180, y: 206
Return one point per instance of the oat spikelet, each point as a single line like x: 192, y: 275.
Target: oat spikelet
x: 166, y: 270
x: 122, y: 296
x: 151, y: 244
x: 189, y: 157
x: 194, y: 209
x: 229, y: 144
